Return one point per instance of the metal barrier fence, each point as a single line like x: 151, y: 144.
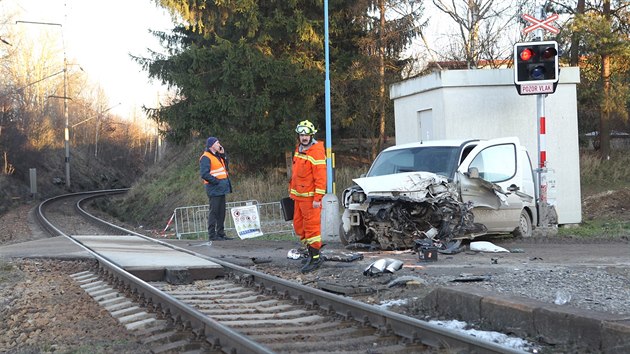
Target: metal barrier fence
x: 192, y: 221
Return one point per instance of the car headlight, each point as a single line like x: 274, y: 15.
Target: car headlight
x: 353, y: 195
x: 358, y: 197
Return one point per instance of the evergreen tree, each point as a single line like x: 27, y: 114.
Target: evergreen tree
x: 247, y: 71
x: 244, y: 71
x: 600, y: 35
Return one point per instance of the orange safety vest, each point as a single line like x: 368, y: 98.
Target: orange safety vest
x: 219, y: 172
x: 308, y: 181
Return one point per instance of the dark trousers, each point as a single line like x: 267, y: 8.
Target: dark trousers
x: 216, y: 216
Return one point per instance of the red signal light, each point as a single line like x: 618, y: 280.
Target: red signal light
x: 526, y: 54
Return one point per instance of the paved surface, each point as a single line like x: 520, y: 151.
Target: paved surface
x: 53, y: 247
x: 147, y: 260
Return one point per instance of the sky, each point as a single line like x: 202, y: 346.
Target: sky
x: 99, y: 36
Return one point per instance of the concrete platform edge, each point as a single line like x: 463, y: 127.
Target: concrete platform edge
x: 548, y: 323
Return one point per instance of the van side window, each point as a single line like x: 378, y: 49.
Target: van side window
x: 496, y: 163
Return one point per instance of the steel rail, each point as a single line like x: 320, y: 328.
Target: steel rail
x: 413, y: 330
x: 179, y: 312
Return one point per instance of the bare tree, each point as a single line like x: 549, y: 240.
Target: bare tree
x: 391, y: 26
x: 481, y: 26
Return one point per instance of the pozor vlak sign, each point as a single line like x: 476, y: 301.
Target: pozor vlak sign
x: 536, y: 69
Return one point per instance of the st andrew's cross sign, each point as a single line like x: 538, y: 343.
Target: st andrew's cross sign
x: 544, y: 24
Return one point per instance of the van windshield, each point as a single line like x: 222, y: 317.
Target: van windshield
x: 441, y: 160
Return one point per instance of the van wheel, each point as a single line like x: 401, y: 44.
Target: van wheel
x: 524, y: 228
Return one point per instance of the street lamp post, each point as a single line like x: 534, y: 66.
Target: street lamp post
x: 65, y: 97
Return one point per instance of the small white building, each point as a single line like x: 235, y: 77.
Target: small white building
x: 485, y: 104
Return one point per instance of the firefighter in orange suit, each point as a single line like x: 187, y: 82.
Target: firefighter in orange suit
x: 307, y: 188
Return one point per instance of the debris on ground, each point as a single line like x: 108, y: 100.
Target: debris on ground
x: 452, y: 247
x: 407, y: 280
x: 485, y: 246
x: 370, y: 247
x: 383, y: 265
x: 346, y: 289
x: 467, y: 278
x: 335, y: 256
x: 342, y: 256
x: 294, y: 254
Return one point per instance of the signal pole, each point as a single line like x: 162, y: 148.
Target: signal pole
x: 330, y: 203
x: 536, y: 71
x: 542, y: 144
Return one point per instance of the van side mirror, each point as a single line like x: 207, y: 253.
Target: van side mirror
x: 513, y: 188
x: 473, y: 172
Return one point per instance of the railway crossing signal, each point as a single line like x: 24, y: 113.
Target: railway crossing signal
x: 536, y: 72
x: 536, y: 69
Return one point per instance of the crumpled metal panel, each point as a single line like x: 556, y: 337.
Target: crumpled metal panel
x: 408, y: 206
x: 413, y: 185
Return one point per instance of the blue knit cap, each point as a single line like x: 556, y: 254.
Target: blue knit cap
x: 211, y: 140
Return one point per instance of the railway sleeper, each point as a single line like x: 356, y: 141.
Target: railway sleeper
x: 157, y: 333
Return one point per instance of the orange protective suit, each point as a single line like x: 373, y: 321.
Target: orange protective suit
x: 308, y: 184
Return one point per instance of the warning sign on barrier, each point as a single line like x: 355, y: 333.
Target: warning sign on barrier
x: 246, y: 221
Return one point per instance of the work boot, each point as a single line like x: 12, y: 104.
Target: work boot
x: 305, y: 253
x: 224, y: 237
x: 314, y: 260
x: 219, y: 238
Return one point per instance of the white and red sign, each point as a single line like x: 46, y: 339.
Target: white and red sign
x: 246, y: 221
x: 543, y: 24
x: 535, y: 89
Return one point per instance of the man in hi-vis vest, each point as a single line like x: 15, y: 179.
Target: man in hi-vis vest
x: 213, y: 168
x: 307, y: 188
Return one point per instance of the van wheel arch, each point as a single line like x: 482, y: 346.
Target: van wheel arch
x: 524, y: 228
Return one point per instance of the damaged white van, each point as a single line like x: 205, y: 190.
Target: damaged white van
x: 442, y: 191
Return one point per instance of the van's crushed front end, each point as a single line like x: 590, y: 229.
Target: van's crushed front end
x: 397, y: 210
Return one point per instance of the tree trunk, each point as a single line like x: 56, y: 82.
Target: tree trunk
x: 604, y: 120
x: 473, y: 35
x: 381, y: 58
x: 575, y: 37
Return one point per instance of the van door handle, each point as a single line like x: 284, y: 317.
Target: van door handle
x: 513, y: 188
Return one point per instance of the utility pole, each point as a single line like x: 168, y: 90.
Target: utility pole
x: 65, y: 96
x: 66, y: 132
x: 330, y: 203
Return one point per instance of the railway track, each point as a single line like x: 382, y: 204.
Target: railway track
x: 244, y: 311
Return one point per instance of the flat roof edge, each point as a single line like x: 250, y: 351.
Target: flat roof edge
x: 468, y: 78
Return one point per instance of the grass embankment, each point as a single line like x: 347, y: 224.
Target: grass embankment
x: 605, y: 187
x: 598, y: 175
x: 176, y: 183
